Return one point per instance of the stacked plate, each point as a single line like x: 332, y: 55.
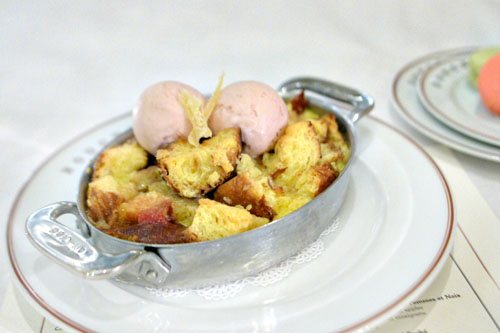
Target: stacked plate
x: 434, y: 95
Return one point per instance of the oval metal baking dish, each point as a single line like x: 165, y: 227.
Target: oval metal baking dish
x: 93, y: 254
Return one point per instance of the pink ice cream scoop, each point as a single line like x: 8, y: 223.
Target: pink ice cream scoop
x: 257, y: 109
x: 159, y: 118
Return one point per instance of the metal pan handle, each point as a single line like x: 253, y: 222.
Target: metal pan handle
x: 74, y: 252
x: 361, y: 102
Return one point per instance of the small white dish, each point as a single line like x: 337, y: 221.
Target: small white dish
x: 397, y: 224
x: 447, y: 93
x: 407, y: 103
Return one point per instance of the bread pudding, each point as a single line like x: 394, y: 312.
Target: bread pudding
x: 193, y: 171
x: 191, y: 191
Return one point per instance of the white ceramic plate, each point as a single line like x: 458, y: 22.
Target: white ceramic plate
x: 397, y: 223
x: 407, y: 103
x: 446, y: 92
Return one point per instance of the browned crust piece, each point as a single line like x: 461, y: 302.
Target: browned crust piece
x: 333, y: 129
x: 150, y: 233
x: 295, y: 151
x: 240, y: 190
x: 99, y: 163
x: 102, y: 165
x: 219, y: 165
x: 233, y: 155
x: 109, y: 186
x: 214, y: 220
x: 101, y: 204
x: 299, y: 103
x: 147, y: 219
x: 164, y: 174
x: 325, y: 175
x: 144, y: 209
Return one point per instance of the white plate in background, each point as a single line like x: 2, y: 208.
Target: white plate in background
x: 407, y: 103
x: 446, y: 92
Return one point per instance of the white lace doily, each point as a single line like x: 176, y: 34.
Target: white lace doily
x: 263, y: 279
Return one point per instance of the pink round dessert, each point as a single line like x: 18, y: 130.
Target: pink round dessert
x: 159, y: 118
x: 257, y: 109
x: 488, y: 84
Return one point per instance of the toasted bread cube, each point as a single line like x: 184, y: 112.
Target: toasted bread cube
x: 121, y: 161
x: 145, y: 178
x: 184, y: 208
x: 104, y: 195
x: 321, y: 129
x: 334, y: 134
x: 150, y: 233
x: 250, y: 165
x: 303, y: 112
x: 315, y: 180
x: 193, y: 171
x: 324, y: 175
x: 149, y: 180
x: 295, y: 152
x: 306, y: 187
x: 214, y: 220
x: 298, y: 169
x: 250, y: 189
x: 337, y: 152
x: 110, y: 181
x: 290, y: 202
x: 273, y: 195
x: 330, y: 153
x: 148, y: 207
x: 244, y: 191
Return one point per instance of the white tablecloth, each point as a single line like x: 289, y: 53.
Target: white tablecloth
x: 66, y: 66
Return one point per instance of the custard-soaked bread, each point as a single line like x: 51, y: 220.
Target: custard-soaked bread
x: 120, y: 193
x: 147, y: 218
x: 298, y: 169
x: 121, y: 161
x: 304, y: 177
x: 308, y: 185
x: 214, y: 220
x: 144, y: 179
x: 250, y: 188
x: 315, y: 180
x: 295, y: 115
x: 151, y: 233
x: 184, y: 209
x: 145, y: 198
x: 193, y: 171
x: 105, y: 194
x: 295, y: 152
x: 159, y: 204
x: 149, y: 207
x: 334, y: 149
x: 334, y: 134
x: 149, y: 180
x: 287, y: 179
x: 110, y: 181
x: 244, y: 191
